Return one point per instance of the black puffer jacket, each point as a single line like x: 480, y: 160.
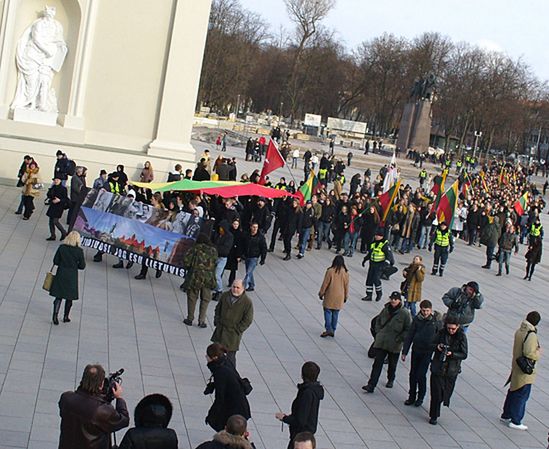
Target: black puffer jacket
x: 304, y: 417
x: 422, y: 332
x: 152, y: 416
x: 457, y: 343
x: 229, y: 398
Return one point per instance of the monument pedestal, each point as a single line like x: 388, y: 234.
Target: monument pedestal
x: 415, y: 126
x: 34, y: 116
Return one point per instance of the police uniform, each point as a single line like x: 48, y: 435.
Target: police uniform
x: 378, y: 254
x: 536, y: 231
x: 422, y: 176
x: 444, y: 244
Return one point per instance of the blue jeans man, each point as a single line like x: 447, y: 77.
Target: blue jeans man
x: 323, y: 233
x: 303, y: 239
x: 219, y: 268
x: 504, y: 258
x: 349, y: 243
x: 514, y: 407
x: 249, y: 281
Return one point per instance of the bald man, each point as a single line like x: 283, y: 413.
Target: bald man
x: 233, y: 315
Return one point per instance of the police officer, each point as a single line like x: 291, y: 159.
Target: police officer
x: 444, y: 243
x: 379, y: 252
x: 422, y: 177
x: 459, y: 164
x: 536, y: 230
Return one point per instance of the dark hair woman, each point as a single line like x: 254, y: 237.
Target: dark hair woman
x: 229, y: 395
x: 333, y: 293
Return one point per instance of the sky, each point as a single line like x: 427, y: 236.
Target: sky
x: 516, y: 28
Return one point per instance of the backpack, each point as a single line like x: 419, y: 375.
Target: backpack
x: 71, y: 167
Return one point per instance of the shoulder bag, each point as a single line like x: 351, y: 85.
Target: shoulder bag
x: 525, y: 364
x: 49, y: 279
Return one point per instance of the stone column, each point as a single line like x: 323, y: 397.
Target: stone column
x: 182, y: 77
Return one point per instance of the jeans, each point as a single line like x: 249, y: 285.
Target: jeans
x: 472, y: 235
x: 424, y: 236
x: 220, y: 266
x: 406, y: 245
x: 294, y: 162
x: 411, y: 306
x: 251, y: 263
x: 303, y: 239
x: 418, y: 374
x: 349, y: 242
x: 504, y: 258
x: 514, y: 407
x: 323, y: 232
x: 330, y: 319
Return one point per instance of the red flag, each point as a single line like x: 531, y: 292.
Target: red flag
x: 273, y: 160
x: 387, y: 199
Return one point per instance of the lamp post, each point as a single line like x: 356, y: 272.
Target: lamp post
x: 477, y: 135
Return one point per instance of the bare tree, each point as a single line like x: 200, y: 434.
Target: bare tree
x: 307, y: 15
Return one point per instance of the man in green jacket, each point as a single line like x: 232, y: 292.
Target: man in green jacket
x: 526, y: 344
x: 233, y: 315
x: 200, y: 262
x: 391, y: 327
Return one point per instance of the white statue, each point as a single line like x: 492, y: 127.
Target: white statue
x: 41, y: 51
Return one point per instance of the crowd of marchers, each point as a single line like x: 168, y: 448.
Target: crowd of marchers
x: 239, y: 233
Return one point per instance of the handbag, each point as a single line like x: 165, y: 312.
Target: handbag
x: 246, y: 385
x: 48, y: 280
x: 525, y: 364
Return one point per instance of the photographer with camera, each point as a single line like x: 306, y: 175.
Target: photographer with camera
x: 87, y: 417
x: 462, y: 303
x: 450, y: 348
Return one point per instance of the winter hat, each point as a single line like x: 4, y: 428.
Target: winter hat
x: 474, y: 286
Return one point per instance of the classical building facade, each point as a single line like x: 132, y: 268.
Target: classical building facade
x: 126, y: 90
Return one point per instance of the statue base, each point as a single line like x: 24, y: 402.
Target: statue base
x: 34, y: 116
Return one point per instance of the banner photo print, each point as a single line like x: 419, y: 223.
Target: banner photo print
x: 137, y: 232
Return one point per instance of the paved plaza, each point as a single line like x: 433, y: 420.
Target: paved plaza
x: 137, y: 325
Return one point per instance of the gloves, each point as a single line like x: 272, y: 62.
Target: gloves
x: 364, y: 262
x: 451, y: 249
x: 262, y: 262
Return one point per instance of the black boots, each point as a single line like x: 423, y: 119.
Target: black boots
x: 68, y: 305
x: 56, y: 307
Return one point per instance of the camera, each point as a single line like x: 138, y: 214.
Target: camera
x: 443, y: 353
x: 210, y: 388
x: 108, y: 386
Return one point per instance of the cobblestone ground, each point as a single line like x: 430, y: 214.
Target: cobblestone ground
x: 121, y: 322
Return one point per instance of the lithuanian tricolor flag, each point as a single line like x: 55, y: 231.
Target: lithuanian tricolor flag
x: 520, y: 204
x: 447, y: 205
x: 386, y: 200
x: 308, y: 189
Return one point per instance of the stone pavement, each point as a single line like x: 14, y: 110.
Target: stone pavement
x: 121, y: 322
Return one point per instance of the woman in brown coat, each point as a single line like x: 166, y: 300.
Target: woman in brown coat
x: 31, y: 191
x: 334, y: 292
x: 414, y: 275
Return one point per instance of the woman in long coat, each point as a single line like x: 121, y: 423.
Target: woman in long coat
x: 334, y: 292
x: 69, y: 258
x: 414, y: 275
x: 229, y: 394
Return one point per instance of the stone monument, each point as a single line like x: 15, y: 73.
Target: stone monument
x: 415, y: 126
x: 40, y: 54
x: 107, y: 82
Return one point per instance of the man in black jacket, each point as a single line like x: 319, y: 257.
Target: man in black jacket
x: 425, y: 326
x: 255, y: 249
x: 304, y: 416
x: 450, y: 348
x: 87, y: 418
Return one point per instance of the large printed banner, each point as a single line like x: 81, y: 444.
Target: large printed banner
x: 137, y: 232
